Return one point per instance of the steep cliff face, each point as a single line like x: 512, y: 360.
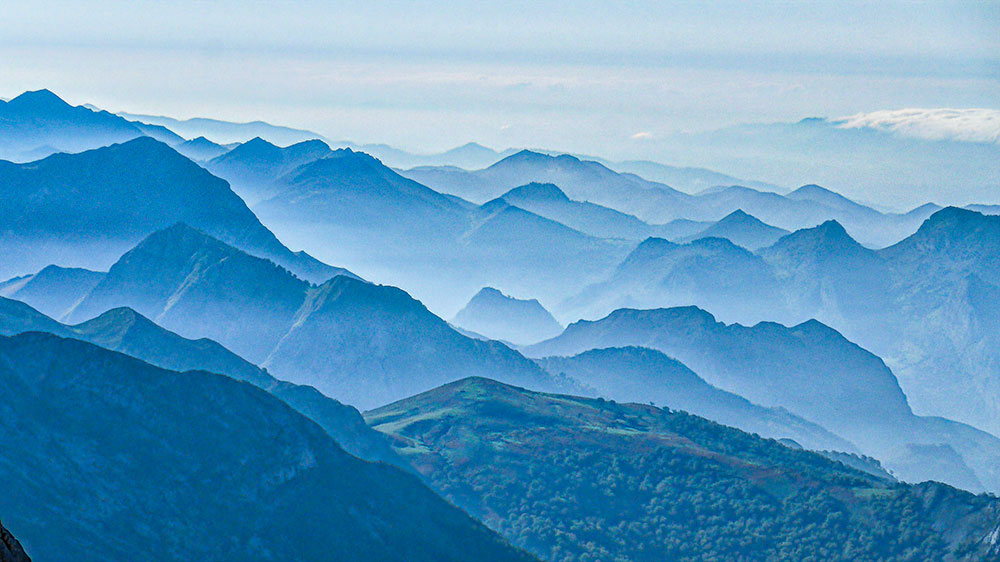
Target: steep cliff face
x: 10, y: 549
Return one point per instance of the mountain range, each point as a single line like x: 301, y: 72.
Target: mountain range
x: 85, y: 209
x: 358, y: 342
x: 643, y: 375
x: 114, y: 459
x: 37, y: 124
x: 349, y: 208
x: 570, y: 478
x: 658, y: 203
x: 126, y: 331
x: 777, y: 366
x: 54, y: 290
x: 926, y: 304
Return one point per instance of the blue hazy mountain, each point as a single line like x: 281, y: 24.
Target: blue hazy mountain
x: 858, y: 162
x: 369, y: 345
x: 469, y: 156
x: 741, y: 229
x: 197, y: 286
x: 901, y: 302
x: 572, y: 478
x: 500, y: 317
x: 686, y: 178
x: 657, y: 203
x: 115, y: 459
x: 126, y: 331
x: 351, y: 209
x: 10, y: 547
x: 642, y: 375
x: 581, y: 180
x: 54, y: 290
x: 227, y: 132
x: 712, y: 273
x: 941, y: 329
x: 773, y: 365
x: 360, y: 343
x: 201, y: 149
x: 252, y: 167
x: 87, y: 209
x: 547, y: 200
x: 40, y: 123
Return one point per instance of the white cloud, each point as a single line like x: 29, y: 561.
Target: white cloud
x: 975, y: 125
x: 642, y: 135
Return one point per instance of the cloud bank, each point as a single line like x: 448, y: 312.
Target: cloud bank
x: 973, y: 125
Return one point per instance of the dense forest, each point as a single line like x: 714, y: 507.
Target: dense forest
x: 574, y: 479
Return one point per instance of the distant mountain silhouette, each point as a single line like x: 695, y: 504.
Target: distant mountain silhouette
x: 369, y: 345
x: 576, y: 478
x: 117, y: 460
x: 581, y: 180
x: 197, y: 286
x: 809, y: 369
x: 550, y: 202
x: 54, y: 290
x: 657, y: 203
x: 126, y: 331
x: 856, y: 161
x: 686, y: 178
x: 86, y: 209
x: 201, y: 149
x: 351, y: 209
x: 360, y: 343
x: 252, y: 167
x: 226, y: 132
x: 712, y: 273
x: 36, y: 124
x: 496, y: 315
x: 905, y: 303
x: 741, y: 229
x: 641, y: 375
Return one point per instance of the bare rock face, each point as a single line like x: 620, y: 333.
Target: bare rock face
x: 10, y: 549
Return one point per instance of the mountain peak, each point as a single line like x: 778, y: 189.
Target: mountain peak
x: 38, y: 100
x: 537, y: 192
x: 812, y: 188
x: 496, y: 315
x: 739, y: 216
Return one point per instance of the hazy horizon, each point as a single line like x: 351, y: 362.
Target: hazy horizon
x: 592, y: 79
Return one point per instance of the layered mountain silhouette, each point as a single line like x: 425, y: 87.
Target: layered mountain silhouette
x: 54, y: 290
x: 574, y: 478
x: 126, y: 331
x: 657, y: 203
x: 118, y: 460
x: 498, y: 316
x: 86, y: 209
x: 581, y: 180
x: 36, y: 124
x: 201, y: 149
x: 638, y: 374
x: 773, y: 365
x: 227, y: 132
x: 927, y: 304
x: 252, y: 167
x: 712, y: 273
x: 351, y: 209
x: 741, y: 229
x: 361, y: 343
x: 549, y: 201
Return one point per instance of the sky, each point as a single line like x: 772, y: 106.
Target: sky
x: 606, y: 78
